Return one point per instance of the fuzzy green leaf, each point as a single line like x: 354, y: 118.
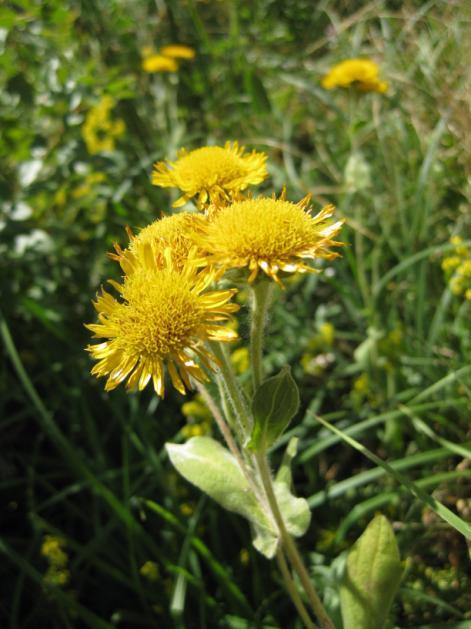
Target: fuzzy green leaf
x: 372, y: 576
x: 295, y: 511
x: 274, y: 405
x: 212, y: 468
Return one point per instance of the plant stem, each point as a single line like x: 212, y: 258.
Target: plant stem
x: 261, y: 297
x: 223, y: 427
x: 291, y: 587
x: 290, y: 547
x: 234, y: 393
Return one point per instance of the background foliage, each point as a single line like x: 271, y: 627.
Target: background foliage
x: 378, y: 342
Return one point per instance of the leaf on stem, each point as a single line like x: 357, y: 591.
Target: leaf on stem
x: 274, y: 405
x: 209, y: 466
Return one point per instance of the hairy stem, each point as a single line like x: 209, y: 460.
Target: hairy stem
x: 261, y: 297
x: 291, y: 587
x: 233, y: 390
x: 290, y: 547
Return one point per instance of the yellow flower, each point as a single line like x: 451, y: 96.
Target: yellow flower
x: 450, y: 263
x: 361, y: 73
x: 52, y: 549
x: 196, y: 409
x: 240, y: 359
x: 164, y: 317
x: 271, y: 235
x: 178, y: 51
x: 150, y: 570
x: 159, y: 63
x: 214, y: 174
x: 461, y: 249
x: 173, y: 232
x: 327, y: 333
x: 98, y: 130
x: 56, y: 577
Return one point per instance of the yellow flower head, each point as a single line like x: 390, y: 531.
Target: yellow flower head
x: 159, y: 63
x: 173, y: 232
x: 270, y: 234
x: 164, y: 316
x: 214, y: 174
x: 178, y: 51
x: 361, y: 73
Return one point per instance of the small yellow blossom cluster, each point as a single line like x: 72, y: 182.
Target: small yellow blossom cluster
x: 165, y: 60
x: 457, y: 268
x: 150, y: 571
x: 169, y: 308
x: 198, y: 416
x: 362, y: 74
x: 52, y: 549
x: 99, y: 131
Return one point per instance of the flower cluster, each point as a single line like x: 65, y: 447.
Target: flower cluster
x: 166, y: 59
x: 52, y: 549
x: 457, y: 268
x: 99, y: 131
x: 360, y: 73
x: 169, y: 308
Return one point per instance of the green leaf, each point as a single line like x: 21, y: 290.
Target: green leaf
x: 265, y: 541
x: 212, y: 468
x: 274, y: 405
x: 372, y: 576
x: 296, y: 511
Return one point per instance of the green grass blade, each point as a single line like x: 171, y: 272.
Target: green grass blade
x: 443, y: 512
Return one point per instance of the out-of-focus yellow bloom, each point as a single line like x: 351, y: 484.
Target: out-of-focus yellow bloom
x: 170, y: 232
x: 56, y: 576
x: 52, y: 549
x: 327, y: 333
x: 362, y: 384
x: 244, y: 557
x: 164, y: 318
x: 270, y: 235
x: 159, y: 63
x: 87, y: 186
x: 99, y: 131
x: 165, y: 59
x: 195, y: 430
x: 457, y: 268
x: 178, y: 51
x: 450, y: 263
x: 240, y: 359
x: 196, y: 409
x: 360, y: 73
x: 199, y: 417
x: 150, y: 571
x: 461, y: 249
x: 213, y: 174
x: 187, y: 509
